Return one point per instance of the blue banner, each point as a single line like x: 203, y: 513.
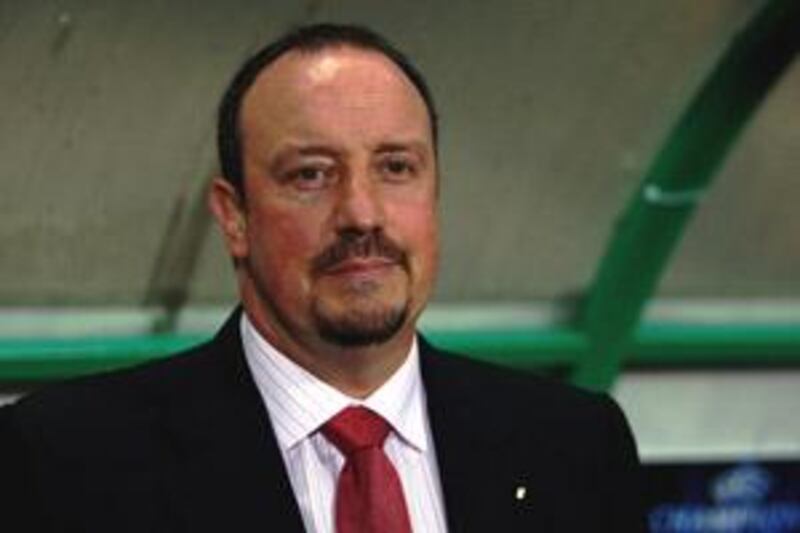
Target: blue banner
x: 747, y: 497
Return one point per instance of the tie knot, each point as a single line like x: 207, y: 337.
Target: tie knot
x: 356, y: 428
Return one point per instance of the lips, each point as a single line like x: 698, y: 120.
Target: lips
x: 360, y: 265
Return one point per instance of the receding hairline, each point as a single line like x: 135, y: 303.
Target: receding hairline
x: 309, y: 40
x: 321, y: 49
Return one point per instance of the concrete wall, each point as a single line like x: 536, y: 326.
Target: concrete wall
x: 551, y: 111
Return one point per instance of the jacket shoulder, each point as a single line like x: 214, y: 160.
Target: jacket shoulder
x: 109, y: 403
x: 502, y: 385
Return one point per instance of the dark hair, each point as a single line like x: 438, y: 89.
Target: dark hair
x: 311, y: 38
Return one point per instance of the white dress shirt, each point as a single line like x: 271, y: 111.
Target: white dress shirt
x: 299, y: 404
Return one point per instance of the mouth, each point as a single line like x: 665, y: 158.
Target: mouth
x: 360, y: 255
x: 361, y: 266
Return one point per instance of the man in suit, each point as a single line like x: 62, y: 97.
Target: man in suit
x: 317, y: 406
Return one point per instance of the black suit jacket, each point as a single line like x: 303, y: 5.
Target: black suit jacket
x: 185, y: 445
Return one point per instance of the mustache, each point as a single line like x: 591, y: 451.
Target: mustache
x: 359, y: 245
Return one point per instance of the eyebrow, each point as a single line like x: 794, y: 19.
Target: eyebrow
x: 417, y: 147
x: 293, y: 149
x: 309, y: 149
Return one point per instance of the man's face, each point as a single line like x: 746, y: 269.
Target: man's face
x: 340, y: 239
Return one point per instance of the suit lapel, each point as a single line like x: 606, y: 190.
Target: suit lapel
x: 476, y: 449
x: 227, y: 470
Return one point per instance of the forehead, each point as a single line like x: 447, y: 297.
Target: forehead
x: 334, y: 87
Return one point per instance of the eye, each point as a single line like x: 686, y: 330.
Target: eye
x: 310, y: 177
x: 398, y: 168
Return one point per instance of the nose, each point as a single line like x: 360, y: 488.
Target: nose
x: 359, y: 205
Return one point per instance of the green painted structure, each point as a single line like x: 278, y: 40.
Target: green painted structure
x: 608, y: 331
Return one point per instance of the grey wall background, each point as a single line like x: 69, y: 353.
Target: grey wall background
x: 551, y: 110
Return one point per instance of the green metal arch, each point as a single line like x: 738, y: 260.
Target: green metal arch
x: 607, y: 329
x: 652, y: 224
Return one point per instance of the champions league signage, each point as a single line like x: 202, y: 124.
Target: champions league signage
x: 725, y: 498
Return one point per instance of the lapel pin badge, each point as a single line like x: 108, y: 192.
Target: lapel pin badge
x: 521, y: 492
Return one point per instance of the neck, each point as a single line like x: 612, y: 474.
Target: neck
x: 356, y: 371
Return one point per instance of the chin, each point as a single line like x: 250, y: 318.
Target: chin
x: 361, y: 325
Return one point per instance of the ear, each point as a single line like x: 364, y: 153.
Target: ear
x: 227, y: 207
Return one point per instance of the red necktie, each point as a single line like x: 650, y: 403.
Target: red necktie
x: 369, y: 497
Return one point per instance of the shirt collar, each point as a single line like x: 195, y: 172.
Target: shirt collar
x: 299, y: 403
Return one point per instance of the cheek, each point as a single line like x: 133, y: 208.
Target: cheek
x: 418, y: 227
x: 285, y: 243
